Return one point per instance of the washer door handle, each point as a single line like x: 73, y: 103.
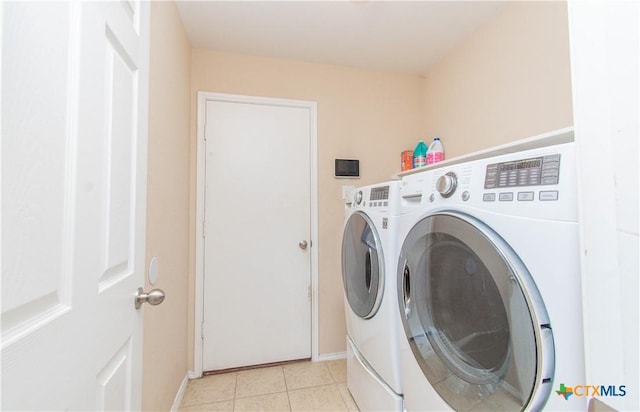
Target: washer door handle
x: 406, y: 290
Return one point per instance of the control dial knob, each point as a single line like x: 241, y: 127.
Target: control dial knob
x: 447, y: 184
x: 358, y: 197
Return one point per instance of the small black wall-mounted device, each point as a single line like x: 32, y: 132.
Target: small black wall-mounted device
x: 347, y: 168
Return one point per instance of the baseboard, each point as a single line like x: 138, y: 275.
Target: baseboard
x: 191, y: 375
x: 332, y: 356
x: 178, y: 400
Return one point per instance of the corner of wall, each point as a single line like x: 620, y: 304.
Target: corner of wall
x: 509, y: 80
x: 165, y: 354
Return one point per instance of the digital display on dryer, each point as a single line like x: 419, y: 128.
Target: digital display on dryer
x: 523, y: 164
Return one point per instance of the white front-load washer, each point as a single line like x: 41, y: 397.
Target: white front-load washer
x: 369, y: 259
x: 489, y: 290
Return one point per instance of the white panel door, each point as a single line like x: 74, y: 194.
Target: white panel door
x: 257, y: 277
x: 74, y: 121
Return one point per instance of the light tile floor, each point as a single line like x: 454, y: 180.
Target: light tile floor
x: 302, y: 386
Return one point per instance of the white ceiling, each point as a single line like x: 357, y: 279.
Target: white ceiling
x: 398, y: 36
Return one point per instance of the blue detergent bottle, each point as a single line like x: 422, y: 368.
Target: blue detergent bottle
x: 420, y: 155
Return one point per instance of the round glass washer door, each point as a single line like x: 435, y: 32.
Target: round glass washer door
x: 362, y: 265
x: 474, y: 319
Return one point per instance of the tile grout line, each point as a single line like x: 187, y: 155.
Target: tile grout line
x: 289, y: 401
x: 235, y: 391
x: 286, y: 386
x: 284, y: 376
x: 343, y: 397
x: 261, y: 394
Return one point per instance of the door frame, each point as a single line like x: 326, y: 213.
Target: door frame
x: 203, y: 98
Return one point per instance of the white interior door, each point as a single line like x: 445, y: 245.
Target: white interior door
x: 257, y: 277
x: 74, y: 121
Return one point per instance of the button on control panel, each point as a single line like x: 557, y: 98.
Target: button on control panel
x: 549, y: 195
x: 489, y: 197
x: 506, y: 197
x: 526, y: 196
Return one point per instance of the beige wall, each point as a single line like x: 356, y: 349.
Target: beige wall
x: 509, y: 80
x: 367, y: 115
x: 165, y: 326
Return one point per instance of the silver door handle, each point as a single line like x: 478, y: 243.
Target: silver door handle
x: 153, y: 298
x: 303, y: 244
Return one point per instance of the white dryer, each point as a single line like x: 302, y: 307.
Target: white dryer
x: 489, y: 291
x: 369, y: 259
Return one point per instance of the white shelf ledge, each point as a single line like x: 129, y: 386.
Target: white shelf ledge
x: 547, y: 139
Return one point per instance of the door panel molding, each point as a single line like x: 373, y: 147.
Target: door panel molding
x: 203, y: 98
x: 41, y: 288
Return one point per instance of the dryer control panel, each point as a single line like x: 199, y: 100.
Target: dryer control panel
x: 379, y: 193
x: 536, y: 171
x: 379, y: 196
x: 537, y: 183
x: 383, y: 198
